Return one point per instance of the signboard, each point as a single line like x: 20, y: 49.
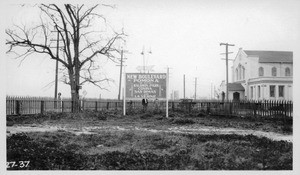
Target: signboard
x: 146, y: 85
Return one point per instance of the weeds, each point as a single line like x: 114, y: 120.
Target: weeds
x: 145, y: 151
x: 183, y: 121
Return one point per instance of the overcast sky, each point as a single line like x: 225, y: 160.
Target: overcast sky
x: 182, y: 35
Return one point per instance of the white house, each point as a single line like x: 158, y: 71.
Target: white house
x: 264, y: 75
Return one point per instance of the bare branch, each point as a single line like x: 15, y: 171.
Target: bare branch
x: 74, y: 26
x: 105, y: 50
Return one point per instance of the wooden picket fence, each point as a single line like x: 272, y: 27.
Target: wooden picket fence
x: 36, y: 105
x: 267, y: 108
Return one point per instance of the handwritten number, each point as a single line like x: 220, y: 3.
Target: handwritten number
x: 21, y: 163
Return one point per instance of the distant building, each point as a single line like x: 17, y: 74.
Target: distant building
x: 175, y: 95
x: 261, y: 75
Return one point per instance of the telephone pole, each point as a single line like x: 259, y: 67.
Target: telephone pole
x: 211, y: 91
x: 167, y: 93
x: 226, y: 44
x: 183, y: 86
x: 195, y: 88
x: 121, y: 67
x: 56, y: 68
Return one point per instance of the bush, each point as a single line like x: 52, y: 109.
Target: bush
x: 183, y: 121
x: 201, y: 114
x: 146, y: 116
x: 287, y: 128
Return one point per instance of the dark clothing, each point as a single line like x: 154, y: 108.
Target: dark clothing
x: 145, y: 104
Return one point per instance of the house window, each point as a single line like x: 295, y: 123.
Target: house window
x: 261, y: 71
x: 287, y: 72
x: 274, y: 71
x: 236, y: 73
x: 281, y: 91
x: 240, y: 72
x: 272, y: 91
x: 244, y: 73
x: 251, y: 95
x: 258, y: 91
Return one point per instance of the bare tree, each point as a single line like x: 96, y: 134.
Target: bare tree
x: 81, y: 45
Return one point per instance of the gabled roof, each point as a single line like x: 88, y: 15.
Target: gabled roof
x: 271, y: 56
x: 235, y: 87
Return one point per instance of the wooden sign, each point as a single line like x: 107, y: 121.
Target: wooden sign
x: 146, y: 85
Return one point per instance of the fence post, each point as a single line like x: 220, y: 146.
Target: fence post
x: 230, y: 107
x: 62, y: 106
x: 96, y: 106
x: 291, y: 108
x: 82, y: 108
x: 173, y: 106
x: 42, y: 107
x: 254, y: 107
x: 18, y: 107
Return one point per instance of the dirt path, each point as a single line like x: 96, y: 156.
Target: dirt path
x: 181, y: 129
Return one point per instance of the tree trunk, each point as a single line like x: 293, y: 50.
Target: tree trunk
x: 76, y: 68
x: 74, y: 91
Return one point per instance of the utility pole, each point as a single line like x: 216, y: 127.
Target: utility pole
x: 183, y: 86
x: 121, y: 68
x: 195, y: 88
x: 226, y: 44
x: 167, y: 94
x: 56, y: 68
x: 144, y: 62
x: 144, y: 66
x: 120, y: 75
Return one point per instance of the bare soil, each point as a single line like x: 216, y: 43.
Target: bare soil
x: 205, y: 130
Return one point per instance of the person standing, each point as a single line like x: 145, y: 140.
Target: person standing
x: 144, y: 104
x: 156, y: 105
x: 59, y: 102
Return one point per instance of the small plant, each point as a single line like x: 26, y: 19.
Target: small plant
x: 183, y: 121
x: 146, y: 116
x: 287, y: 128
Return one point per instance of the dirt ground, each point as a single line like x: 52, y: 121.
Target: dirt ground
x: 149, y: 141
x: 176, y: 129
x: 91, y: 123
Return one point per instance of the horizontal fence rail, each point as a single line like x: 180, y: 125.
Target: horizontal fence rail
x: 36, y: 105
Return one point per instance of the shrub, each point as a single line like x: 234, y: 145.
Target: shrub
x: 146, y: 116
x: 201, y: 114
x: 183, y: 121
x: 287, y: 128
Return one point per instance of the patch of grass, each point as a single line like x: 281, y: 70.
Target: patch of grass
x: 146, y: 116
x: 183, y: 121
x: 138, y: 150
x: 287, y: 128
x: 149, y: 119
